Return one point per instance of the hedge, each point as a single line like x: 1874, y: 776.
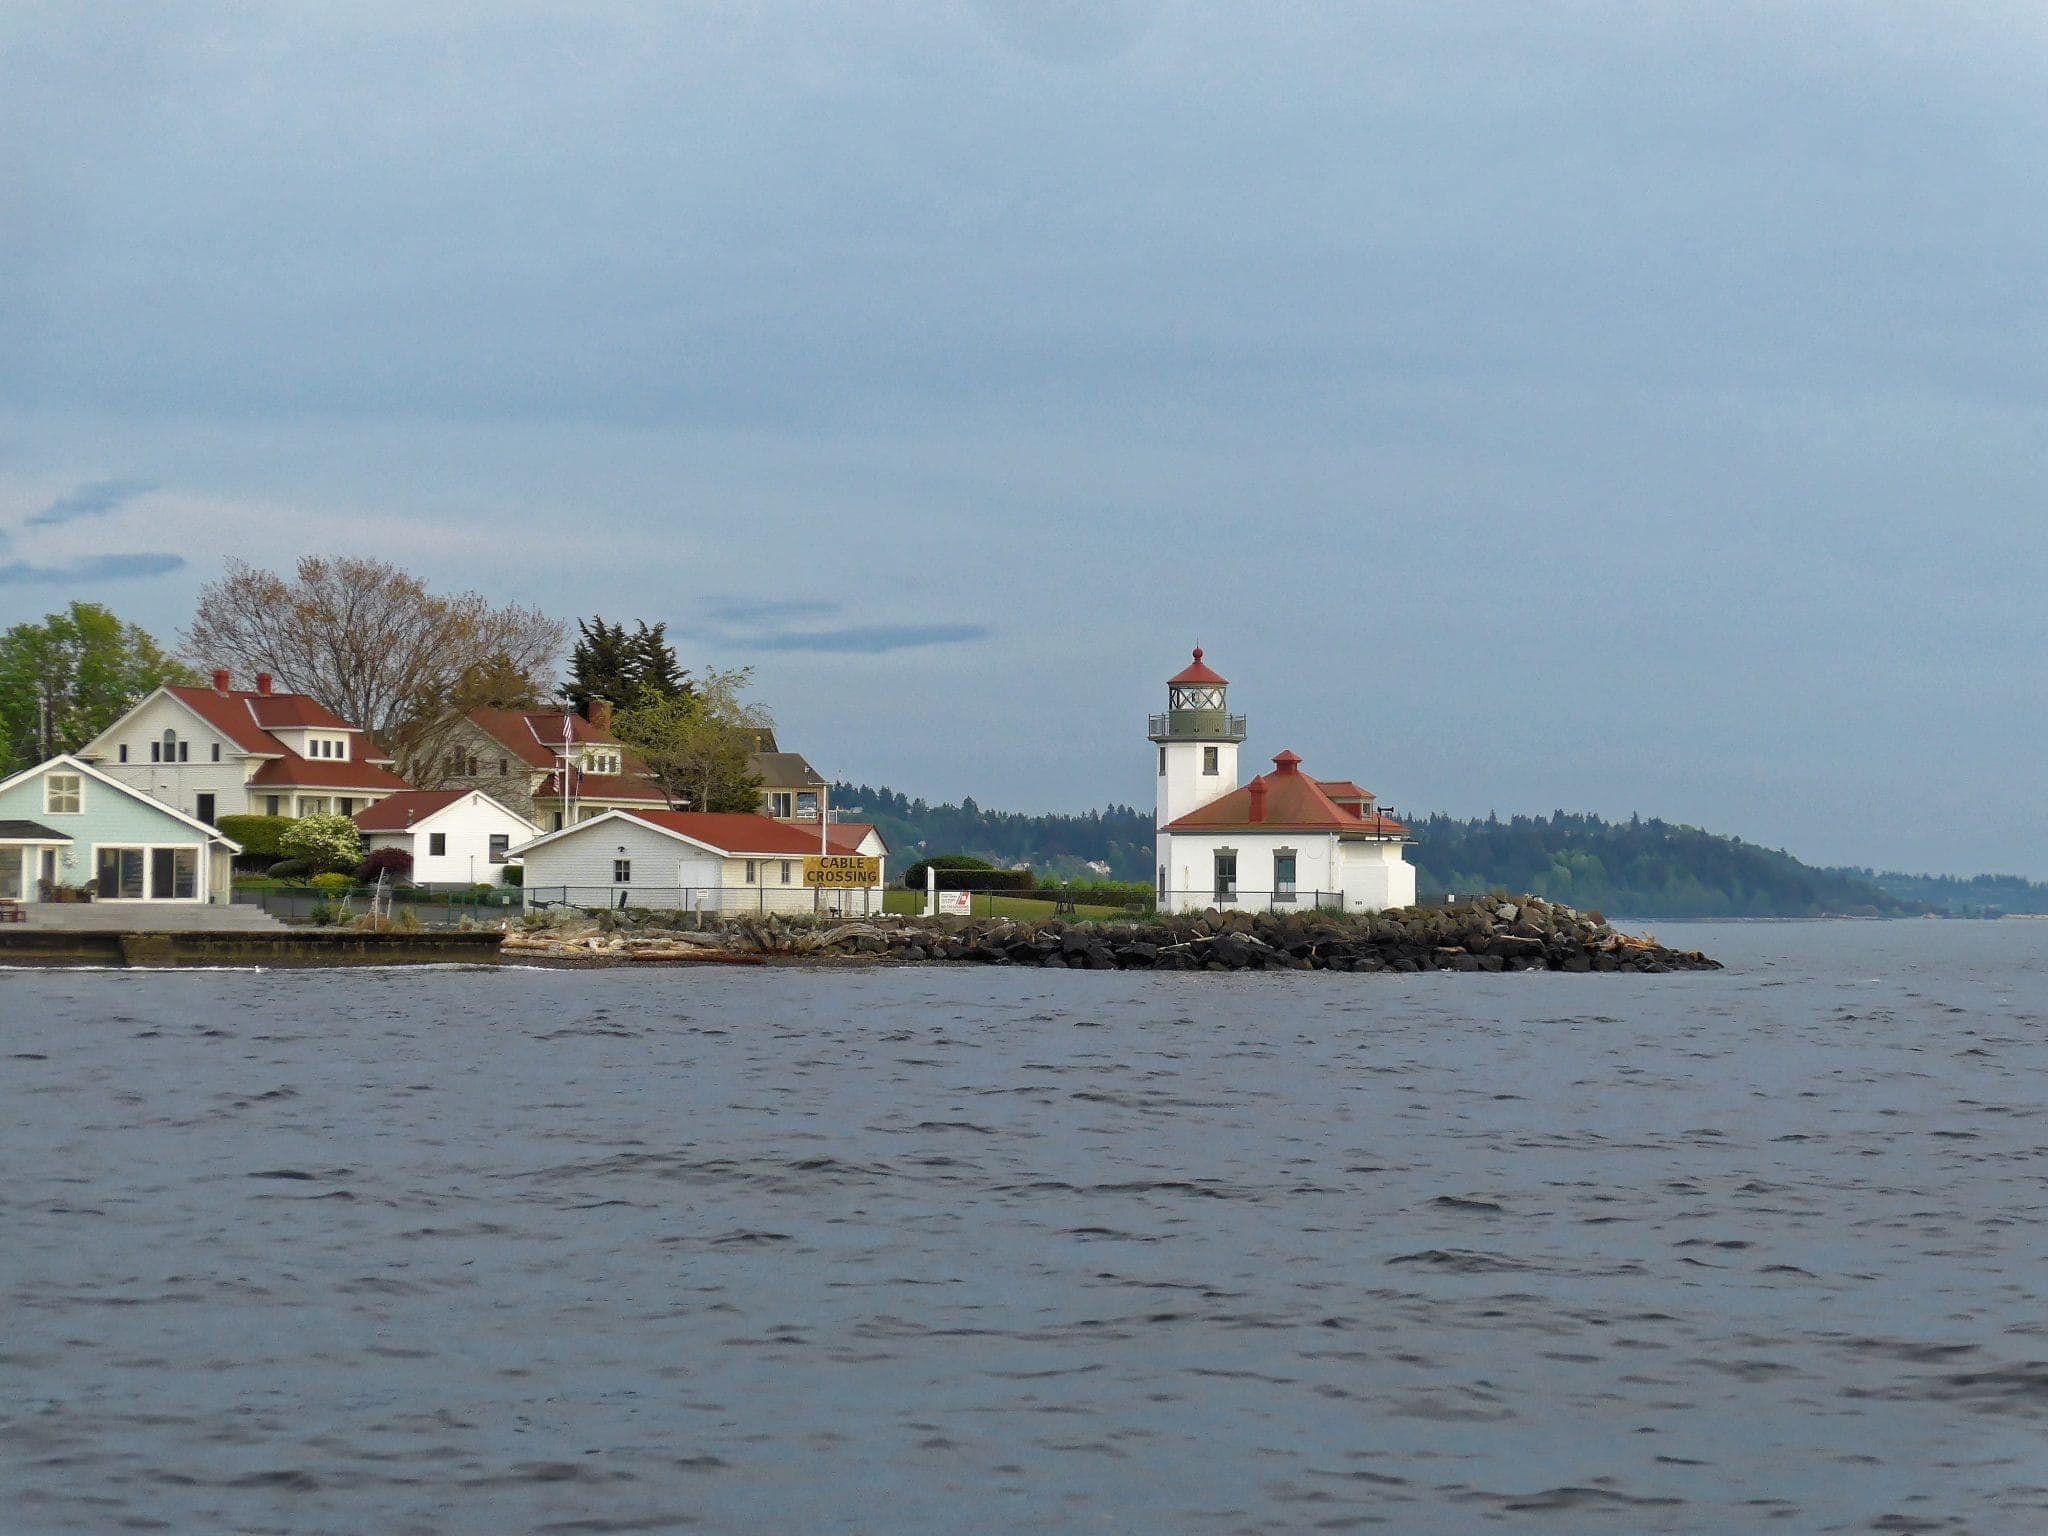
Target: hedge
x: 958, y: 872
x: 258, y: 835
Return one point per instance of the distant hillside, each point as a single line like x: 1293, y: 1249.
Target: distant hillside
x: 1979, y: 896
x: 1636, y: 868
x: 1640, y: 868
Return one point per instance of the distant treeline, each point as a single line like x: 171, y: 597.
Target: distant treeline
x: 1639, y: 868
x: 1978, y: 896
x: 1053, y: 844
x: 1634, y: 868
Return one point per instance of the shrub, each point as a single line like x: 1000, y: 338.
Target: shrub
x: 289, y: 869
x: 326, y: 913
x: 378, y: 861
x: 333, y: 882
x: 963, y: 872
x: 258, y: 835
x: 514, y: 875
x: 324, y: 842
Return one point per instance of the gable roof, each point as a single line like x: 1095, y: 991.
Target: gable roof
x: 1344, y: 789
x: 65, y: 762
x: 734, y: 835
x: 604, y: 786
x: 413, y: 808
x: 1285, y: 800
x: 778, y: 770
x: 537, y: 736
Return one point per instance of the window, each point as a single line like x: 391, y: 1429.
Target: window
x: 1283, y: 874
x: 437, y: 845
x: 1162, y: 882
x: 156, y: 751
x: 472, y: 767
x: 64, y: 794
x: 273, y: 805
x: 1162, y: 760
x: 752, y: 871
x: 501, y: 844
x: 118, y: 874
x: 501, y: 768
x: 1208, y: 760
x: 173, y: 874
x: 216, y: 751
x: 345, y: 806
x: 785, y: 871
x: 124, y: 751
x: 184, y: 751
x: 170, y: 745
x: 1226, y: 874
x: 782, y: 803
x: 807, y: 805
x: 203, y: 808
x: 312, y: 805
x: 622, y: 871
x: 558, y: 822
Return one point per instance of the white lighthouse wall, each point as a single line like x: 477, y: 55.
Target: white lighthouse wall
x: 1184, y: 787
x: 1377, y: 876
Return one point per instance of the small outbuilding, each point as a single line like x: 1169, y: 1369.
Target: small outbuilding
x: 699, y: 861
x: 65, y: 824
x: 457, y: 837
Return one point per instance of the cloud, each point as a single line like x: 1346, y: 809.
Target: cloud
x: 871, y: 639
x: 95, y: 498
x: 744, y: 612
x: 91, y: 568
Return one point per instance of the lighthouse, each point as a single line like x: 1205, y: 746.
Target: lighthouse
x: 1197, y: 741
x: 1284, y: 841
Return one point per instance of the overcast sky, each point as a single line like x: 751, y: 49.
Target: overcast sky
x: 1622, y: 408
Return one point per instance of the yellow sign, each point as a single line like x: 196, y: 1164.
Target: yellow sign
x: 843, y: 870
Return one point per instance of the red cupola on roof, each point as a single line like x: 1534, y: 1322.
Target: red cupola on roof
x: 1197, y: 671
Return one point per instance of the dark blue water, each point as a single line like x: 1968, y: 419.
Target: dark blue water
x: 996, y: 1250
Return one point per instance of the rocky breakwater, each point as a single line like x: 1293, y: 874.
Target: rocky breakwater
x: 1487, y: 935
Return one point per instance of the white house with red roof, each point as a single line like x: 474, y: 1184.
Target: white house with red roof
x: 455, y: 836
x: 696, y: 861
x: 224, y: 751
x: 1282, y: 840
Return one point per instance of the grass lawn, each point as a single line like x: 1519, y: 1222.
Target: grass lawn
x: 910, y: 903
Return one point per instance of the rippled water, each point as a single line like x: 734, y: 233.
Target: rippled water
x: 997, y: 1250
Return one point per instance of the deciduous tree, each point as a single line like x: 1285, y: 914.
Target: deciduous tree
x: 66, y: 679
x: 374, y: 645
x: 698, y: 743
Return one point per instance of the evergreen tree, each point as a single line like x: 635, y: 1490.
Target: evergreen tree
x: 631, y: 669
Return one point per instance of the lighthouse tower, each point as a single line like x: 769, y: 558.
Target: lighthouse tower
x: 1197, y: 740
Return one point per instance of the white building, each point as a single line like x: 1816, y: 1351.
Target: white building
x: 1283, y: 840
x: 455, y: 836
x: 695, y: 861
x: 223, y: 751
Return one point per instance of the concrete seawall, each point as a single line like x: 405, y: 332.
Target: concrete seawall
x: 283, y: 947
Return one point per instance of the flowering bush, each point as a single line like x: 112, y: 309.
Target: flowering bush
x: 323, y: 842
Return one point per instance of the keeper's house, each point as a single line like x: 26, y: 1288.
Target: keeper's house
x: 696, y: 861
x: 1282, y: 841
x: 65, y: 823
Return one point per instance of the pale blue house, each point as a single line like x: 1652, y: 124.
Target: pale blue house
x: 65, y: 823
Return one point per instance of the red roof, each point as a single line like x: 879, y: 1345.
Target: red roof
x: 400, y: 811
x: 740, y: 832
x: 604, y: 786
x: 1344, y: 789
x: 293, y: 771
x: 536, y: 734
x: 846, y: 836
x: 1285, y: 800
x: 292, y: 712
x: 247, y: 717
x: 1196, y: 671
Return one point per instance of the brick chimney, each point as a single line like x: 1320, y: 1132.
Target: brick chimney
x: 220, y: 679
x: 1258, y: 788
x: 600, y: 717
x: 263, y: 683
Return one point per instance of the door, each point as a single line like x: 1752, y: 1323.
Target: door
x: 117, y: 875
x: 204, y: 809
x: 173, y: 874
x: 50, y: 865
x: 13, y: 879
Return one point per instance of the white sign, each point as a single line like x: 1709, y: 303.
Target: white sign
x: 957, y: 903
